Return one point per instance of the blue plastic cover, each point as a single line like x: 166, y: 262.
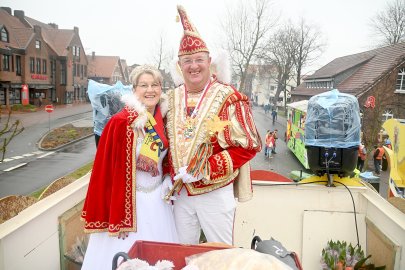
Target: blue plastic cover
x: 106, y: 101
x: 333, y: 120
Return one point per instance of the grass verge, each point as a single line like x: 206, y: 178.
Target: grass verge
x: 75, y: 175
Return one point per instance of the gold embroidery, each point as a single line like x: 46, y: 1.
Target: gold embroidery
x: 183, y: 150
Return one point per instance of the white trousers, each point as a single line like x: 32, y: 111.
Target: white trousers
x: 213, y: 212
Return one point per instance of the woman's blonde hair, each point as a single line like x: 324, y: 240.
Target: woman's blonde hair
x: 145, y: 69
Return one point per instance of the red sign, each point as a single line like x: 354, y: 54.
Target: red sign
x: 39, y: 77
x: 370, y: 102
x: 49, y: 108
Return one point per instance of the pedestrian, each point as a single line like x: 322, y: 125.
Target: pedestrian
x: 266, y: 108
x: 387, y: 142
x: 275, y: 136
x: 274, y: 115
x: 377, y: 156
x: 270, y: 141
x: 40, y: 100
x: 362, y: 154
x: 124, y: 198
x: 208, y: 116
x: 266, y: 143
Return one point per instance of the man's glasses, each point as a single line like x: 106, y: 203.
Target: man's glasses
x: 188, y: 61
x: 145, y: 86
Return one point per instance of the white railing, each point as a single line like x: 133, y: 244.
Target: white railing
x: 30, y: 240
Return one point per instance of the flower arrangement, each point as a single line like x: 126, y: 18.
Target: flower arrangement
x: 341, y: 256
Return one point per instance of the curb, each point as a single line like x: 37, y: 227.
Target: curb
x: 61, y: 146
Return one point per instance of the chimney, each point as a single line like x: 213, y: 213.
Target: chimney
x: 21, y: 16
x: 93, y: 55
x: 76, y: 30
x: 37, y: 29
x: 53, y: 25
x: 7, y: 9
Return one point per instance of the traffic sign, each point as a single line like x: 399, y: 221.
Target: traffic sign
x: 49, y: 108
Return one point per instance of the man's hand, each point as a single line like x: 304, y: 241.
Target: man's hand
x: 186, y: 177
x: 123, y: 235
x: 167, y: 185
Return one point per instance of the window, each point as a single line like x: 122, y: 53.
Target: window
x: 38, y: 44
x: 32, y: 65
x: 400, y: 86
x: 74, y: 70
x: 6, y: 62
x: 63, y: 73
x: 43, y: 66
x: 387, y: 114
x: 38, y: 66
x: 76, y: 53
x: 18, y: 65
x: 3, y: 35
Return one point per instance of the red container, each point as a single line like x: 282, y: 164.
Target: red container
x: 155, y: 251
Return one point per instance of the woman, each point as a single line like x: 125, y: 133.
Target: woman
x: 124, y: 201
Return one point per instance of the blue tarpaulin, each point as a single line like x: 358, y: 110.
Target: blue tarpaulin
x: 333, y: 120
x: 106, y: 101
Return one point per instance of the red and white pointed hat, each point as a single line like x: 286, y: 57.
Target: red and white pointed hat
x: 191, y: 41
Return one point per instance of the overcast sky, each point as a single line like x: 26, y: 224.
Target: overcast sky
x: 131, y: 28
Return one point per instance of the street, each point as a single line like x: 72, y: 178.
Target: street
x: 284, y: 161
x: 27, y: 169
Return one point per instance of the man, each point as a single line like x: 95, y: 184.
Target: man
x: 362, y: 154
x: 212, y: 137
x: 275, y: 136
x: 274, y: 115
x: 377, y: 156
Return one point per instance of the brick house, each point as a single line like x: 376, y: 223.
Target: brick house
x: 40, y: 62
x: 107, y: 69
x: 375, y: 77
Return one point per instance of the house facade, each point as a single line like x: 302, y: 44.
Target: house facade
x: 263, y: 81
x: 39, y: 62
x: 107, y: 69
x: 375, y: 77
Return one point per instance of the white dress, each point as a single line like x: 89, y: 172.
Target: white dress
x: 154, y: 218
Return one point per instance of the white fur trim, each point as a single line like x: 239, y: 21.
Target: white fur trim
x: 175, y: 72
x: 132, y: 101
x: 220, y: 66
x: 164, y: 104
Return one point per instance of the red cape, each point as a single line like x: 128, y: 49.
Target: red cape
x: 110, y: 200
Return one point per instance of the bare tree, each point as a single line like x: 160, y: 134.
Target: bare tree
x: 245, y: 28
x: 309, y: 47
x: 8, y: 130
x: 161, y: 55
x: 389, y: 24
x: 280, y: 51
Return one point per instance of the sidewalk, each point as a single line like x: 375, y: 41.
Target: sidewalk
x: 40, y: 116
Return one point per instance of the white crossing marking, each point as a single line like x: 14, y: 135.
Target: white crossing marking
x: 47, y: 154
x: 15, y: 167
x: 27, y: 155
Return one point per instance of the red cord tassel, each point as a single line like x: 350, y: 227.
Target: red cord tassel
x: 199, y: 164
